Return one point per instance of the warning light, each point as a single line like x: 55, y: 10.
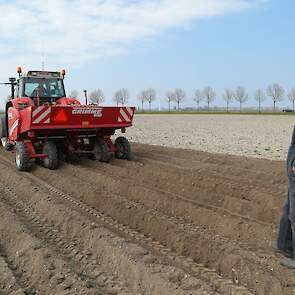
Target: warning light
x: 19, y: 70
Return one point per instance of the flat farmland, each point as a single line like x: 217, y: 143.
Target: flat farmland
x: 195, y: 216
x: 260, y: 136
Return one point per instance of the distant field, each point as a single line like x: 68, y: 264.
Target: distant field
x: 248, y: 135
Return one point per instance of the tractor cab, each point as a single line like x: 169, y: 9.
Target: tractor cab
x: 42, y: 87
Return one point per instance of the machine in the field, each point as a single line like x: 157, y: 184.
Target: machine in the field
x: 41, y: 123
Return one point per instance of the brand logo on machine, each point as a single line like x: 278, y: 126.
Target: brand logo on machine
x: 96, y: 112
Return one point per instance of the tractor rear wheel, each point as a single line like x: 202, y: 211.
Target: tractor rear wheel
x: 22, y: 157
x: 51, y: 161
x: 101, y: 151
x: 123, y: 149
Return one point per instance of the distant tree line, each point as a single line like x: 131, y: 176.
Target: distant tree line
x: 207, y: 95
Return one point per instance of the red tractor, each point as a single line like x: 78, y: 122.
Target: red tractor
x: 41, y: 123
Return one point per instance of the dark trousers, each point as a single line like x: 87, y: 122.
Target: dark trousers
x: 285, y: 229
x: 286, y: 235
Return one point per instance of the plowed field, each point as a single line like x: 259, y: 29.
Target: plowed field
x: 170, y: 221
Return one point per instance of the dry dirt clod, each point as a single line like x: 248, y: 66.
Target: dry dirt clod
x: 90, y: 284
x: 58, y: 278
x: 149, y: 259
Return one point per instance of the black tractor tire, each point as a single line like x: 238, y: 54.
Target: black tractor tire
x: 101, y: 151
x: 51, y: 161
x: 22, y: 157
x: 123, y: 149
x: 3, y: 126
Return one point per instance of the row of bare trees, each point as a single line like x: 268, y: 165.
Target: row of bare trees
x: 97, y: 96
x: 147, y: 95
x: 176, y: 96
x: 274, y: 91
x: 207, y: 95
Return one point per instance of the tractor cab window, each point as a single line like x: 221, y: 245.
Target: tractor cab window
x: 46, y: 89
x: 55, y: 88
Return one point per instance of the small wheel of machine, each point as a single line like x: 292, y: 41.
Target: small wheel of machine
x: 3, y: 126
x: 3, y: 134
x: 8, y: 146
x: 101, y: 151
x: 123, y: 149
x: 51, y: 161
x: 22, y: 157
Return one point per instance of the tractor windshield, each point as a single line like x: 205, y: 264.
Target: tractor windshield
x: 43, y: 88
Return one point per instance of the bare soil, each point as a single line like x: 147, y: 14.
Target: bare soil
x: 259, y: 136
x: 170, y: 221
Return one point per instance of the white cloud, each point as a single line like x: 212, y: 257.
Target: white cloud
x: 77, y: 31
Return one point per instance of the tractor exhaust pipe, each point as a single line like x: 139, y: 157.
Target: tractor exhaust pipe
x: 86, y: 97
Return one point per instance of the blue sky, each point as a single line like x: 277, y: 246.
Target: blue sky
x: 162, y: 44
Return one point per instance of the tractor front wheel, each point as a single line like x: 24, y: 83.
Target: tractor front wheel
x: 101, y: 151
x: 51, y: 161
x: 123, y: 149
x: 22, y: 157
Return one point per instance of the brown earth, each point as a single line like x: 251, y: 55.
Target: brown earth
x: 168, y: 222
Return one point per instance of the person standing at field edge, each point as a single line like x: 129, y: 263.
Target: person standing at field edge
x: 286, y: 236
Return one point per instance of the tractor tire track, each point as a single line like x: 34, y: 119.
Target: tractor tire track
x: 189, y: 282
x: 33, y: 262
x: 10, y: 280
x: 204, y: 209
x: 80, y: 263
x: 250, y: 264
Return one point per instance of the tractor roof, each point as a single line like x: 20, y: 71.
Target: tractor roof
x: 43, y: 74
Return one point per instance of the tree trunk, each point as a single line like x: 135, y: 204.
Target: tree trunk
x: 259, y: 107
x: 240, y: 107
x: 178, y: 106
x: 274, y: 106
x: 208, y: 106
x: 293, y: 105
x: 142, y: 106
x: 227, y: 106
x: 198, y: 106
x: 169, y: 106
x: 150, y: 103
